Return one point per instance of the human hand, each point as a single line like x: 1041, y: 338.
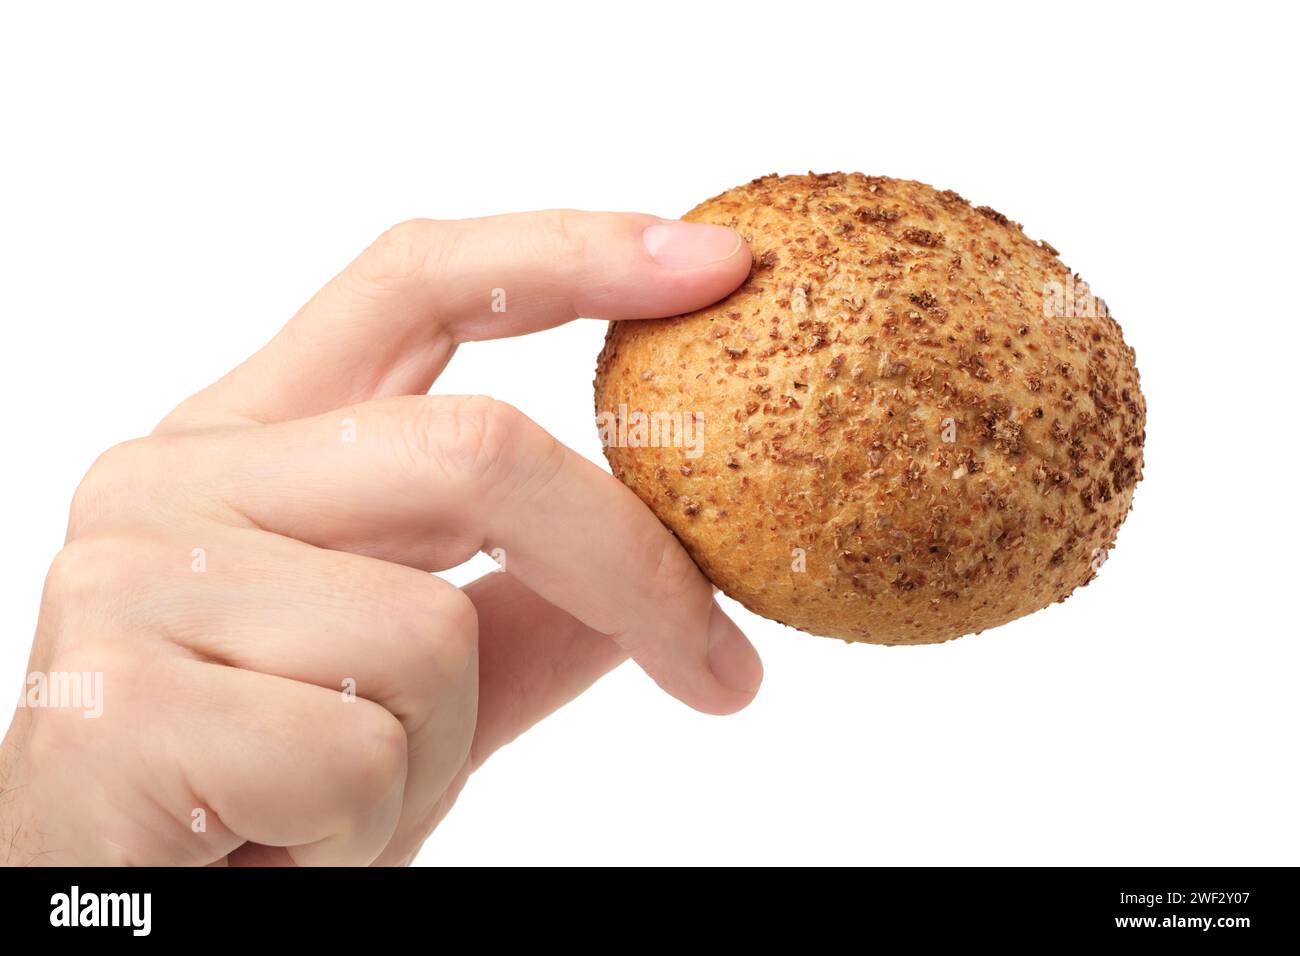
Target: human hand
x: 283, y: 680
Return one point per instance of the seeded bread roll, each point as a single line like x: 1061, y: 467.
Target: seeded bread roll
x: 917, y: 423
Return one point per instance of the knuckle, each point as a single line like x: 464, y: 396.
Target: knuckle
x: 475, y: 444
x: 484, y: 432
x: 469, y: 437
x: 377, y: 763
x: 114, y: 475
x: 455, y: 633
x: 565, y: 235
x: 401, y: 252
x: 87, y: 570
x: 438, y: 638
x: 675, y: 574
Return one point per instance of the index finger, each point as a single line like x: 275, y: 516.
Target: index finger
x: 430, y: 481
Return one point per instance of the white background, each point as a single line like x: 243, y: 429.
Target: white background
x: 174, y: 183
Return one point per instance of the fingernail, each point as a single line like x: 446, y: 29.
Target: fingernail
x: 732, y: 658
x: 683, y: 245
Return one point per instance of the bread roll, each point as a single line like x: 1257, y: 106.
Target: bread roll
x: 912, y: 422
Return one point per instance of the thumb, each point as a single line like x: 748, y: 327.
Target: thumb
x: 391, y: 320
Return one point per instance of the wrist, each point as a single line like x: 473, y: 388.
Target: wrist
x: 21, y: 841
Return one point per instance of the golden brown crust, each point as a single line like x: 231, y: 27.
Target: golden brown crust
x: 877, y: 310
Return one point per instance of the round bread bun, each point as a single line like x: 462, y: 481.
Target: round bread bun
x: 916, y: 422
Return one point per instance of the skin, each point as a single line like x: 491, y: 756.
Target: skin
x: 323, y: 486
